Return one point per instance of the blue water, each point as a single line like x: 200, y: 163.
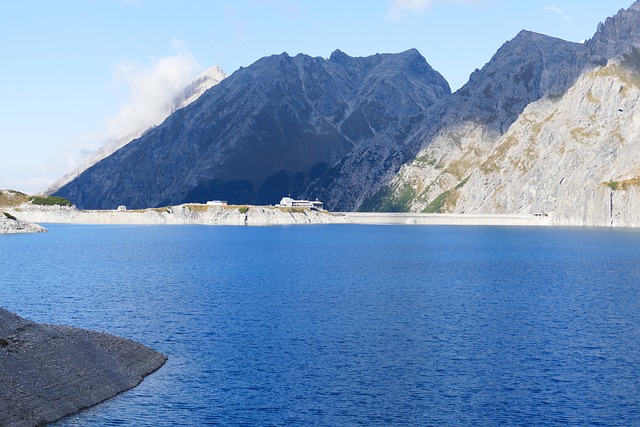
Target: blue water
x: 349, y: 325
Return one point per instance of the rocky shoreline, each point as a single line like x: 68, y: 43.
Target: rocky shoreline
x: 249, y: 215
x: 200, y: 214
x: 49, y: 372
x: 263, y: 216
x: 11, y: 225
x: 182, y: 214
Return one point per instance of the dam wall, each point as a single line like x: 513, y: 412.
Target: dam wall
x: 384, y: 218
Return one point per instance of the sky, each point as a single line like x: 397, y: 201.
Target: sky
x: 74, y: 73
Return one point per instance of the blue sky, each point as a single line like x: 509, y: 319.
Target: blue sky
x: 71, y: 68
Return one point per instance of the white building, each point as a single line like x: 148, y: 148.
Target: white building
x: 288, y: 202
x: 217, y: 203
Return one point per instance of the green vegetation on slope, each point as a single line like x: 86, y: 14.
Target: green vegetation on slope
x: 9, y: 216
x: 446, y: 199
x: 293, y: 210
x: 622, y: 185
x: 437, y: 204
x: 388, y: 199
x: 50, y: 201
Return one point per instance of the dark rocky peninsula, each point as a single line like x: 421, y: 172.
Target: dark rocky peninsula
x: 49, y: 371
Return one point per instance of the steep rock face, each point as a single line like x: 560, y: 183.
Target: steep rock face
x: 437, y: 156
x: 267, y: 130
x: 556, y: 155
x: 380, y: 133
x: 618, y: 35
x: 576, y: 157
x: 522, y: 71
x: 193, y: 91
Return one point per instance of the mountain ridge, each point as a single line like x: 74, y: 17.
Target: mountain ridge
x: 186, y: 96
x: 440, y: 171
x: 494, y: 97
x: 267, y: 130
x: 379, y: 133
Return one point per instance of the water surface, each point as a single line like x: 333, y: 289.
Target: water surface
x: 349, y: 325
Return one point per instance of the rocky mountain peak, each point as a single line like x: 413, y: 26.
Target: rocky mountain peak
x: 523, y: 70
x: 339, y: 56
x: 616, y: 36
x: 384, y: 131
x: 545, y: 126
x: 526, y: 36
x: 267, y: 130
x: 203, y: 82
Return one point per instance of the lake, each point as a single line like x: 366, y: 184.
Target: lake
x: 338, y: 325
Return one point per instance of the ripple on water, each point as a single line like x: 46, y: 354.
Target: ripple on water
x: 349, y: 325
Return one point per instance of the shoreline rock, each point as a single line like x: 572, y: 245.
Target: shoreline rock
x: 199, y: 214
x: 49, y: 372
x: 11, y: 225
x: 182, y: 214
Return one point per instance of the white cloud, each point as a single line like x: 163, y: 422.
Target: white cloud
x: 151, y: 90
x: 399, y: 10
x: 560, y: 12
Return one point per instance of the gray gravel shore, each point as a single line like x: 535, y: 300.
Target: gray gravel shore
x: 48, y: 372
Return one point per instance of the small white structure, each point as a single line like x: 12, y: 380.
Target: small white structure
x: 122, y: 208
x: 217, y: 203
x: 288, y: 202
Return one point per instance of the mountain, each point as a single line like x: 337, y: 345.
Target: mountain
x: 202, y: 83
x: 487, y: 154
x: 265, y: 131
x: 576, y: 157
x: 522, y: 71
x: 186, y: 96
x: 546, y: 126
x: 618, y: 35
